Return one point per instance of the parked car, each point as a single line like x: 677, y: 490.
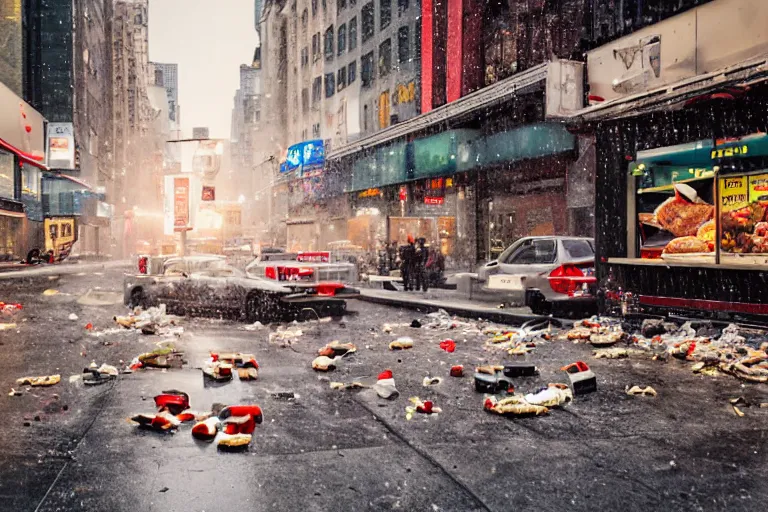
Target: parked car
x: 545, y: 273
x: 303, y: 267
x: 208, y: 284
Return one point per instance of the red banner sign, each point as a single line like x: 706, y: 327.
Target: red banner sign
x: 314, y: 257
x: 434, y: 200
x: 180, y: 203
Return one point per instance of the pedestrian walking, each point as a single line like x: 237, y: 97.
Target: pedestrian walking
x: 407, y: 260
x: 420, y: 263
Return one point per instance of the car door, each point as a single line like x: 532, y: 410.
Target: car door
x: 170, y: 289
x: 532, y: 257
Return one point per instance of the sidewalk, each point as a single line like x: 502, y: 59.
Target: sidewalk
x: 451, y: 301
x: 22, y: 271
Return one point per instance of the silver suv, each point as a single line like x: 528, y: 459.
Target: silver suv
x: 545, y: 271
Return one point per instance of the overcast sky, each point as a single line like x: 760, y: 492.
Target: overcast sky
x: 208, y: 39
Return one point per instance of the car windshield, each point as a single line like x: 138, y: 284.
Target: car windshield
x: 335, y: 254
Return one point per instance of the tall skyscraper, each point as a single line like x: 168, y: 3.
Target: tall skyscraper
x: 257, y: 9
x: 171, y: 83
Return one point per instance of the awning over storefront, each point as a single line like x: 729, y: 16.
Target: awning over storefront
x: 22, y: 129
x: 725, y: 83
x: 487, y: 97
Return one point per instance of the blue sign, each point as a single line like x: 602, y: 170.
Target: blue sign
x: 310, y: 153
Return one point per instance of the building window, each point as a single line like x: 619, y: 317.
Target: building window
x: 385, y: 58
x: 340, y: 5
x: 341, y: 46
x: 316, y: 130
x: 403, y: 45
x: 366, y: 73
x: 305, y: 56
x: 385, y: 13
x: 330, y: 84
x: 341, y: 78
x: 353, y: 33
x: 368, y: 22
x: 305, y: 100
x: 315, y: 46
x: 351, y: 72
x: 317, y: 91
x: 365, y: 118
x: 417, y: 42
x: 314, y: 8
x: 304, y: 18
x: 325, y: 6
x: 402, y: 6
x: 329, y: 43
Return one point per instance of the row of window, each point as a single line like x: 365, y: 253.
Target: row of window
x: 385, y: 48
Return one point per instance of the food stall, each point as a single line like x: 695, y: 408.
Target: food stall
x: 699, y: 239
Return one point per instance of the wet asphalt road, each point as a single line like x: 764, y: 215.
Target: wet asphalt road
x: 350, y: 450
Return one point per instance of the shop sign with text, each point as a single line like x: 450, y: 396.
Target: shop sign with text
x: 180, y: 203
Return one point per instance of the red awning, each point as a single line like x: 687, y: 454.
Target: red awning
x: 24, y: 157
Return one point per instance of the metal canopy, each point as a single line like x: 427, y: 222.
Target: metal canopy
x: 501, y: 91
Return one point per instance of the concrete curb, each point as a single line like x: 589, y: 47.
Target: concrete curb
x: 64, y: 269
x: 466, y: 311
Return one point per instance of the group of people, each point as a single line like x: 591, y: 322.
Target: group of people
x: 421, y: 266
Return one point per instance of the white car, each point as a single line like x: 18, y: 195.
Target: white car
x: 545, y: 272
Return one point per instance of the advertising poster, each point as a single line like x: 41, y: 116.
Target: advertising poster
x: 61, y: 146
x: 180, y: 203
x: 209, y: 193
x: 743, y: 207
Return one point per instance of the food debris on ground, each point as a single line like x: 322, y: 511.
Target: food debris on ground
x: 423, y: 407
x: 42, y: 381
x: 431, y: 381
x: 8, y: 308
x: 154, y: 320
x: 637, y: 390
x: 554, y: 395
x: 13, y: 392
x: 7, y: 326
x: 337, y: 348
x: 514, y: 405
x: 50, y: 292
x: 457, y: 370
x: 610, y: 353
x: 207, y: 429
x: 161, y: 422
x: 324, y: 363
x: 401, y: 343
x: 385, y: 385
x: 234, y: 441
x: 350, y: 385
x: 448, y: 345
x: 218, y: 371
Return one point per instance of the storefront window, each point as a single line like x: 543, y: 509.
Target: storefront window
x: 6, y: 175
x: 30, y: 181
x: 704, y: 202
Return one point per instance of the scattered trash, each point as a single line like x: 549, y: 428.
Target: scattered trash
x: 514, y: 405
x: 247, y: 373
x: 238, y: 425
x: 457, y: 370
x: 89, y: 326
x: 237, y: 359
x: 7, y: 326
x: 582, y: 379
x: 554, y: 395
x: 13, y: 392
x: 256, y: 326
x: 50, y: 292
x: 337, y: 348
x: 100, y: 298
x: 431, y: 381
x: 234, y: 441
x: 284, y: 395
x: 416, y: 324
x: 514, y: 370
x: 448, y: 345
x: 401, y: 343
x: 611, y: 353
x: 492, y: 383
x: 385, y: 386
x: 637, y: 390
x: 73, y: 316
x: 242, y: 410
x: 44, y: 381
x: 164, y: 489
x: 324, y: 364
x: 285, y: 337
x: 351, y: 385
x: 9, y: 308
x: 161, y: 422
x: 163, y: 357
x: 154, y: 320
x: 92, y: 375
x: 218, y: 371
x: 207, y: 429
x: 425, y: 407
x: 173, y: 401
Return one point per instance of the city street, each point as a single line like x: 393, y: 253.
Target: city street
x: 72, y: 447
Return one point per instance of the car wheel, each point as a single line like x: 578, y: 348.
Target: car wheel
x: 138, y: 298
x: 541, y: 307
